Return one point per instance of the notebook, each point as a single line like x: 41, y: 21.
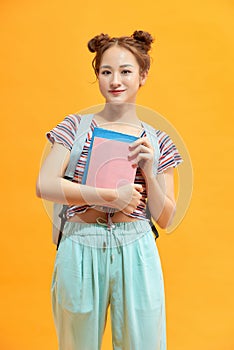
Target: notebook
x: 108, y: 165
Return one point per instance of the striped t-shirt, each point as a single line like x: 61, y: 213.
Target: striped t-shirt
x: 65, y: 133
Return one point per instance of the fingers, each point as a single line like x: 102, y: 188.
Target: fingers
x: 140, y: 150
x: 138, y: 187
x: 141, y: 141
x: 132, y: 206
x: 129, y: 197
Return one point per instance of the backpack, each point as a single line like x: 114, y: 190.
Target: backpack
x: 59, y: 210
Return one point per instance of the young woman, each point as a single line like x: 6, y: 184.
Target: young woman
x: 107, y: 260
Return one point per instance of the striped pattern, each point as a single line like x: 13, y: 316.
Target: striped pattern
x: 169, y: 155
x: 65, y: 132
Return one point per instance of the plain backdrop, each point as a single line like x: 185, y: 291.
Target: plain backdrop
x: 46, y: 74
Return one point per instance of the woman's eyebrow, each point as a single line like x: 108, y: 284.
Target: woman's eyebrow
x: 105, y: 66
x: 126, y: 65
x: 122, y: 66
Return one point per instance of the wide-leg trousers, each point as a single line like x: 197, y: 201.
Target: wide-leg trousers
x: 119, y: 266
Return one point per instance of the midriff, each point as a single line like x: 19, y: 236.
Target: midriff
x: 91, y: 215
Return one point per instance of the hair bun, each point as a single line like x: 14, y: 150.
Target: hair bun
x: 144, y: 38
x: 98, y: 41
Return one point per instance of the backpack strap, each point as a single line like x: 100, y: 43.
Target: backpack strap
x: 151, y: 134
x: 76, y: 151
x: 78, y: 145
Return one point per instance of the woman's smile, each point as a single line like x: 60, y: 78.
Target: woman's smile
x: 117, y: 92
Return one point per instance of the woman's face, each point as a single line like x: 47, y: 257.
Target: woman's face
x: 119, y: 76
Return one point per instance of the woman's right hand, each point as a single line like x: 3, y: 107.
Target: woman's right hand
x: 128, y: 198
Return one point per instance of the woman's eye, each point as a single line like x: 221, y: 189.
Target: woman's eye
x: 126, y: 71
x: 106, y: 72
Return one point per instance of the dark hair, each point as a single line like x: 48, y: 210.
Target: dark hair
x: 139, y: 43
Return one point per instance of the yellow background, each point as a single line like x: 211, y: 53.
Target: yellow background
x: 45, y: 74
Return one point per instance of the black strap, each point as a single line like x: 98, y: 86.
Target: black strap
x: 153, y: 227
x: 62, y: 215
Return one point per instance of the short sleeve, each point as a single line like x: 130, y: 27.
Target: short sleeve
x: 65, y: 132
x: 169, y: 154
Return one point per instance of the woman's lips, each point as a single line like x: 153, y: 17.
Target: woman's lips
x: 116, y: 92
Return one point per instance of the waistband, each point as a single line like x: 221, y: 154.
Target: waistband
x: 104, y: 236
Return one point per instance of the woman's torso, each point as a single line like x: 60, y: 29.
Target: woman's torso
x: 91, y: 215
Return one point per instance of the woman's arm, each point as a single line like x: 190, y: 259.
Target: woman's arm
x: 161, y: 198
x: 52, y: 186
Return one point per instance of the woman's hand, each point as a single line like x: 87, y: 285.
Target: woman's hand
x: 142, y: 155
x: 128, y: 198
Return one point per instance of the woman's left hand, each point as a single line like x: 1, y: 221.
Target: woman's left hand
x: 142, y: 155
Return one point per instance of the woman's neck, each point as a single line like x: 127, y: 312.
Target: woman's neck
x: 124, y: 112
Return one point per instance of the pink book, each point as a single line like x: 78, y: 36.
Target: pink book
x: 108, y: 165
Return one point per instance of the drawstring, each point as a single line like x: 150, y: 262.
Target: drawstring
x: 101, y: 221
x: 110, y: 226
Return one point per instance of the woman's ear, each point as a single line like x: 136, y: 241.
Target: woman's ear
x: 143, y: 78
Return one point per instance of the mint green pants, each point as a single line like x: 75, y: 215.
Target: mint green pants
x: 98, y: 266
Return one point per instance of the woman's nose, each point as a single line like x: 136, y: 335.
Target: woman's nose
x: 116, y: 80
